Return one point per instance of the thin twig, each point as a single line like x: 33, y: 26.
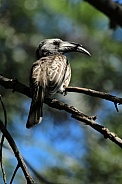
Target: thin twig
x: 2, y: 141
x: 95, y: 93
x: 17, y: 153
x: 4, y: 111
x: 15, y: 171
x: 38, y: 175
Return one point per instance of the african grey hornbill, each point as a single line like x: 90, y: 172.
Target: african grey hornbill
x: 50, y: 74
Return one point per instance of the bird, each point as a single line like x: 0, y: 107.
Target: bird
x: 50, y: 74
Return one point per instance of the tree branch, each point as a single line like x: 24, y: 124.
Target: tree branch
x: 94, y: 93
x: 17, y: 153
x: 75, y: 113
x: 38, y: 175
x: 111, y: 9
x: 2, y: 141
x: 15, y: 171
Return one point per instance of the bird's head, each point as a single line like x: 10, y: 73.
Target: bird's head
x: 54, y: 46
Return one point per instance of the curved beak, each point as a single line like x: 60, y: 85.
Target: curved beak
x: 72, y: 47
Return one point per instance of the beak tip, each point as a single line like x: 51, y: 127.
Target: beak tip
x: 84, y: 51
x: 89, y: 54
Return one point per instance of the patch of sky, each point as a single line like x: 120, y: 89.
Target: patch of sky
x: 52, y: 24
x: 43, y: 143
x: 108, y: 108
x: 75, y: 1
x: 117, y: 34
x: 118, y: 1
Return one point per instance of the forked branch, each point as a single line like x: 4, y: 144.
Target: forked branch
x: 75, y: 113
x: 17, y: 153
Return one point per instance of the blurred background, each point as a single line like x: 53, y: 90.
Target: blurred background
x: 60, y: 149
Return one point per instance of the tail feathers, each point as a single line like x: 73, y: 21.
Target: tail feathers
x: 36, y: 113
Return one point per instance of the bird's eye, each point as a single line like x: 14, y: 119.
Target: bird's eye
x: 56, y: 43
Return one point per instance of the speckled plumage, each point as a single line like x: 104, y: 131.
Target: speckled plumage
x: 50, y: 74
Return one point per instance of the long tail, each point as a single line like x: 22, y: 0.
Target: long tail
x: 36, y: 113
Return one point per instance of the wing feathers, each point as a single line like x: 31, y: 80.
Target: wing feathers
x: 35, y: 113
x: 46, y: 77
x: 49, y: 72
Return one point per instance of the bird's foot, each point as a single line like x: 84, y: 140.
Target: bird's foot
x: 62, y: 91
